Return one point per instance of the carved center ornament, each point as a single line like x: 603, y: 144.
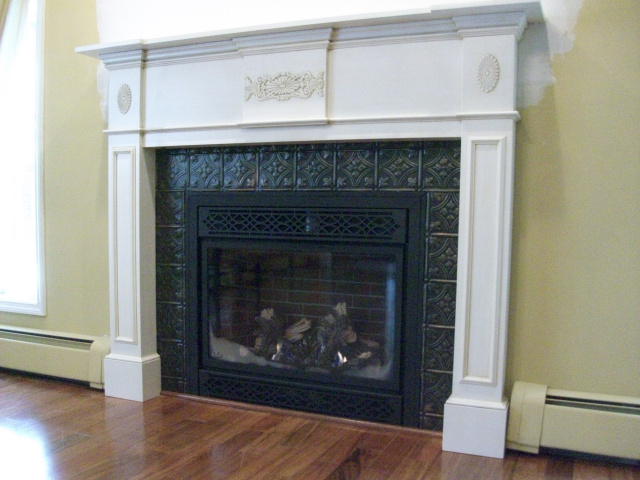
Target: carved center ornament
x: 284, y: 85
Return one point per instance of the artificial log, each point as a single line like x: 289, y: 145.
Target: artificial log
x: 329, y: 343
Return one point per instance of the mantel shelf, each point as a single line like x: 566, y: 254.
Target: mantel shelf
x: 441, y: 17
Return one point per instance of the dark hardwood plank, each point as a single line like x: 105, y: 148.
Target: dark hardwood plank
x: 55, y: 430
x: 530, y: 467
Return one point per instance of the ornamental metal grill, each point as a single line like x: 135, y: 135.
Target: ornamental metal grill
x: 303, y: 223
x: 372, y: 407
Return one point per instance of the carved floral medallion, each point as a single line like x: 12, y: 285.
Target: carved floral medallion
x: 488, y: 73
x: 124, y: 98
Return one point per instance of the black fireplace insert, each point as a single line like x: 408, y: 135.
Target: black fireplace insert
x: 310, y: 301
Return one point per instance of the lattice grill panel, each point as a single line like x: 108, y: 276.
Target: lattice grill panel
x: 376, y: 408
x: 312, y: 224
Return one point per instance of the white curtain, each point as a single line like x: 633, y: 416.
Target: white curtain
x: 13, y: 15
x: 19, y: 140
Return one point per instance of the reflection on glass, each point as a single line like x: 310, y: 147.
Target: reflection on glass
x: 313, y: 311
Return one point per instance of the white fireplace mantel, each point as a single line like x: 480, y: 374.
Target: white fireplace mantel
x: 443, y: 73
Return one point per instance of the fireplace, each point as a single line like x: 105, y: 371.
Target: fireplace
x: 445, y: 73
x: 308, y: 301
x: 375, y: 225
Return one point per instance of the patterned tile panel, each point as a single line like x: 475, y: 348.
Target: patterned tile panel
x: 441, y: 304
x: 398, y: 167
x: 172, y: 356
x: 172, y: 168
x: 438, y: 353
x: 436, y: 389
x: 171, y: 319
x: 172, y: 384
x: 432, y: 166
x: 170, y: 207
x: 431, y: 422
x: 444, y: 212
x: 315, y: 167
x: 277, y: 166
x: 205, y: 169
x: 170, y: 245
x: 240, y: 168
x: 441, y: 165
x: 355, y: 166
x: 170, y: 283
x: 442, y: 260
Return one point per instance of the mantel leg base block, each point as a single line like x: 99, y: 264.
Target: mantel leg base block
x: 476, y: 428
x: 132, y: 378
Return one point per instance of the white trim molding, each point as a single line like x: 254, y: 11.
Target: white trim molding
x: 132, y: 369
x: 15, y: 301
x: 486, y: 166
x: 124, y: 244
x: 482, y: 298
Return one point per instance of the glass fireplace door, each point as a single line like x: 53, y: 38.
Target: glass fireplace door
x: 295, y: 309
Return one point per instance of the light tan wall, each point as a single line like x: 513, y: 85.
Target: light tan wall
x: 575, y: 305
x: 75, y: 179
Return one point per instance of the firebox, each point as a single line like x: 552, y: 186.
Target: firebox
x: 308, y: 300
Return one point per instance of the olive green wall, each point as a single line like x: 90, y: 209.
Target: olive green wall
x: 575, y: 290
x: 575, y: 304
x: 75, y: 179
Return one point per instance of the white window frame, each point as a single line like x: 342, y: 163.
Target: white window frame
x: 39, y: 307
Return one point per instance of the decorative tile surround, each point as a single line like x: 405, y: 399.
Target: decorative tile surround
x: 429, y: 166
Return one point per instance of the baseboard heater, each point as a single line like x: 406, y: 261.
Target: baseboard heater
x: 605, y: 425
x: 50, y: 353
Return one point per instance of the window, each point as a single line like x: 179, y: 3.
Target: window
x: 21, y: 220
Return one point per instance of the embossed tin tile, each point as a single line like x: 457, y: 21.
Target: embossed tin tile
x: 359, y: 166
x: 444, y: 212
x: 276, y: 168
x: 240, y: 168
x: 436, y: 389
x: 171, y: 321
x: 441, y: 165
x: 438, y: 349
x: 172, y: 384
x: 398, y: 167
x: 170, y: 283
x: 355, y: 166
x: 205, y: 169
x: 170, y: 245
x: 442, y: 258
x: 169, y: 207
x: 315, y: 167
x: 441, y: 304
x: 432, y: 422
x: 173, y: 358
x: 171, y: 168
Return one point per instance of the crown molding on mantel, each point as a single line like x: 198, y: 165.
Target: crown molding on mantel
x: 434, y: 23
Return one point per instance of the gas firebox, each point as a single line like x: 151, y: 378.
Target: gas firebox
x: 311, y: 301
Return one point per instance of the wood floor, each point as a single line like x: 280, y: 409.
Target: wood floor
x: 54, y: 430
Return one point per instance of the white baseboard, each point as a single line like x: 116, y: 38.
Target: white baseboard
x: 132, y: 378
x: 476, y: 428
